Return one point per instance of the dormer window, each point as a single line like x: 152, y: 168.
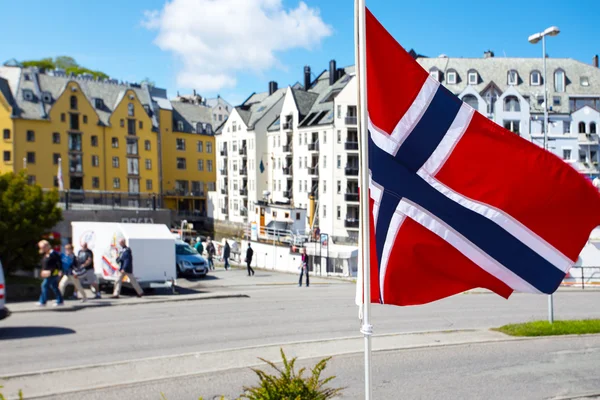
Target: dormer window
x: 27, y: 77
x: 199, y: 128
x: 209, y: 129
x: 99, y: 103
x: 535, y: 79
x: 559, y: 81
x: 584, y: 81
x: 180, y: 126
x: 46, y: 97
x: 130, y: 109
x: 73, y: 102
x: 435, y: 74
x: 147, y: 108
x: 473, y: 77
x: 451, y: 77
x: 28, y: 94
x: 513, y: 77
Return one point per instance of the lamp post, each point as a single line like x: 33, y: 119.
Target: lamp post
x: 533, y: 39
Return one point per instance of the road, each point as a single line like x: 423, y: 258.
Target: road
x: 275, y: 312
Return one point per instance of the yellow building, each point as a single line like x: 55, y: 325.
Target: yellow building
x: 108, y: 138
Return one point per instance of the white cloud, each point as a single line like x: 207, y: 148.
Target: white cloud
x: 215, y: 38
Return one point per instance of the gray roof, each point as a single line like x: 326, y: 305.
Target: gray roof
x: 6, y: 92
x: 257, y: 105
x: 190, y: 115
x: 215, y: 101
x: 495, y: 69
x: 304, y: 100
x: 55, y: 84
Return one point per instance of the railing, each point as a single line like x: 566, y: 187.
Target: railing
x: 184, y: 193
x: 351, y: 197
x: 224, y: 190
x: 287, y: 170
x: 351, y: 146
x: 243, y: 151
x: 288, y: 194
x: 224, y: 211
x: 351, y: 223
x: 314, y: 171
x: 191, y: 213
x: 223, y: 172
x: 287, y: 125
x: 313, y: 146
x: 224, y: 152
x: 243, y: 192
x: 351, y: 171
x: 287, y: 148
x: 244, y: 213
x: 352, y: 120
x: 279, y: 236
x: 244, y: 171
x: 102, y: 200
x: 580, y: 277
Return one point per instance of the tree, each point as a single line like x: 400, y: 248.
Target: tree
x: 65, y: 62
x: 27, y: 214
x: 148, y: 81
x: 44, y: 63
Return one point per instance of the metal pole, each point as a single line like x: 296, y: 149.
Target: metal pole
x: 360, y: 49
x: 550, y: 297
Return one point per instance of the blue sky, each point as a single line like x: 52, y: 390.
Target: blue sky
x: 116, y: 36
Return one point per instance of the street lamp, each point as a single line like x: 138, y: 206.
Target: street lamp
x: 533, y: 39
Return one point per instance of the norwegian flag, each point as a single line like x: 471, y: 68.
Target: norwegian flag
x: 458, y: 202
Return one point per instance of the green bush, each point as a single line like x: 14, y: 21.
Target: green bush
x: 287, y: 384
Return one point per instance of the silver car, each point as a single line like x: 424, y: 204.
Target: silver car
x: 188, y: 261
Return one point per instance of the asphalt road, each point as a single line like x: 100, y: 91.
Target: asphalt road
x: 533, y: 369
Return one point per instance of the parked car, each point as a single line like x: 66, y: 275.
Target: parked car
x: 188, y: 261
x: 3, y: 310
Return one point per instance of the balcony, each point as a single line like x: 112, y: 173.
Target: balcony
x: 287, y: 125
x: 223, y: 152
x: 313, y: 170
x: 244, y: 171
x: 313, y: 146
x: 223, y: 172
x: 351, y: 197
x: 351, y: 223
x: 288, y: 194
x: 287, y: 148
x: 243, y: 192
x: 351, y: 171
x: 588, y: 139
x: 351, y: 120
x: 287, y: 170
x: 351, y: 146
x: 224, y: 190
x: 244, y: 213
x: 224, y: 211
x: 243, y: 151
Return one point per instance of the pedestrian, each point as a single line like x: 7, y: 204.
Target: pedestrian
x: 226, y: 254
x: 69, y: 264
x: 85, y: 269
x: 210, y: 249
x: 303, y: 267
x: 249, y: 254
x: 51, y: 266
x: 198, y: 246
x: 125, y: 261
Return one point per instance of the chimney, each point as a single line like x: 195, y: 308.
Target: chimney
x: 272, y: 87
x: 306, y: 77
x: 595, y: 61
x: 488, y: 54
x: 332, y: 72
x: 194, y: 91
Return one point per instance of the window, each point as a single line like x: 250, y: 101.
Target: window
x: 73, y: 102
x: 324, y: 161
x: 581, y: 127
x: 130, y: 109
x: 74, y: 142
x: 451, y: 77
x: 94, y: 141
x: 592, y: 127
x: 200, y: 165
x: 6, y: 156
x: 199, y: 146
x: 30, y: 157
x: 299, y: 162
x: 435, y: 74
x: 324, y: 137
x: 339, y: 136
x: 556, y: 101
x: 131, y: 126
x: 99, y: 103
x: 339, y: 212
x: 28, y: 94
x: 148, y: 164
x: 324, y: 187
x: 56, y: 138
x: 74, y: 121
x: 148, y: 184
x: 473, y: 77
x: 324, y: 211
x: 339, y: 162
x: 180, y: 126
x: 30, y: 136
x: 6, y: 134
x: 116, y: 183
x: 132, y: 147
x: 95, y: 161
x: 339, y: 187
x: 147, y: 145
x: 181, y: 164
x: 115, y: 162
x: 55, y: 158
x: 535, y: 79
x: 63, y: 117
x: 566, y: 154
x: 209, y: 165
x: 208, y: 147
x: 140, y: 125
x: 115, y: 143
x: 85, y: 119
x: 31, y: 179
x: 133, y: 166
x: 584, y: 81
x: 513, y: 77
x: 220, y: 118
x: 180, y: 144
x: 95, y: 182
x: 122, y: 123
x: 471, y: 100
x: 511, y: 103
x: 512, y: 126
x: 559, y: 81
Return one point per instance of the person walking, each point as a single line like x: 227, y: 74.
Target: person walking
x: 125, y: 261
x: 249, y: 254
x: 51, y: 266
x: 303, y: 267
x: 198, y: 246
x: 226, y: 254
x: 210, y: 249
x: 85, y: 269
x: 69, y: 264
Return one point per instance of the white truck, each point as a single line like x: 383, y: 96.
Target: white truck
x: 152, y: 245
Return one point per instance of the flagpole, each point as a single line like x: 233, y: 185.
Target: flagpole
x: 364, y: 249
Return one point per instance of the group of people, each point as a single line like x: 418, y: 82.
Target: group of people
x: 211, y: 252
x: 61, y: 269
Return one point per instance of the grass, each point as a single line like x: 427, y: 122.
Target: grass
x: 544, y: 328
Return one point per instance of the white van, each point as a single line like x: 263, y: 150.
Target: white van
x: 3, y: 310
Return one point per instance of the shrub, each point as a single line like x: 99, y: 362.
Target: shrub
x: 287, y: 384
x: 4, y: 398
